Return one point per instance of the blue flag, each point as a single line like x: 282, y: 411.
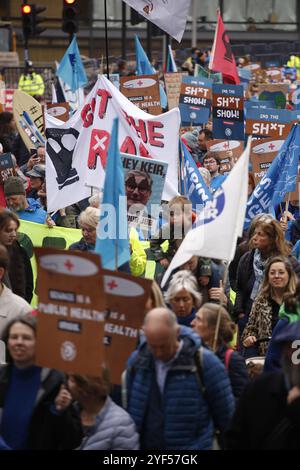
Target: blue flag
x: 195, y: 188
x: 280, y: 178
x: 143, y: 67
x: 70, y: 69
x: 113, y: 244
x: 171, y: 65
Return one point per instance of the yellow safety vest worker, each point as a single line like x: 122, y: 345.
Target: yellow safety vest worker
x: 32, y: 84
x: 294, y: 61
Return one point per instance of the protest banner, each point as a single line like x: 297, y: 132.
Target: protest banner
x: 276, y: 92
x: 227, y: 151
x: 228, y: 112
x: 59, y: 110
x: 28, y: 115
x: 6, y: 167
x: 173, y: 84
x: 71, y: 311
x: 195, y: 100
x: 258, y: 105
x: 143, y: 91
x: 146, y: 192
x: 126, y: 297
x: 275, y: 123
x: 76, y: 151
x: 262, y: 153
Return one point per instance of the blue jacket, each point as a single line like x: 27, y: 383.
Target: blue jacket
x: 188, y: 412
x: 34, y: 213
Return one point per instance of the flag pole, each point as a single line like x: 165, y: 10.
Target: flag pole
x: 106, y: 39
x: 222, y: 284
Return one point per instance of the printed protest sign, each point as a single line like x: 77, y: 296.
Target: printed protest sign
x: 228, y: 112
x: 195, y: 100
x: 9, y: 96
x: 143, y: 91
x: 274, y: 74
x: 144, y: 184
x: 227, y: 151
x: 262, y: 153
x: 6, y: 167
x: 59, y: 111
x: 173, y: 83
x: 71, y: 311
x: 126, y: 297
x: 276, y: 92
x: 275, y: 123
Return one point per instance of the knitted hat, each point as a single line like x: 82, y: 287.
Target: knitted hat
x: 13, y: 186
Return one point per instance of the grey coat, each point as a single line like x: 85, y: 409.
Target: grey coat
x: 114, y: 430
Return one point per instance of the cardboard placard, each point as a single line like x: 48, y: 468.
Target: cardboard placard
x: 143, y: 91
x: 154, y: 172
x: 227, y: 151
x: 275, y: 123
x: 262, y: 153
x: 195, y: 100
x: 173, y: 84
x: 71, y: 311
x: 276, y: 92
x: 126, y: 297
x: 274, y: 74
x: 6, y: 167
x: 60, y: 111
x: 9, y: 96
x: 228, y: 112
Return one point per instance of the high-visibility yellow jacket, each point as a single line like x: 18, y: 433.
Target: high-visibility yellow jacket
x: 294, y: 61
x: 32, y: 84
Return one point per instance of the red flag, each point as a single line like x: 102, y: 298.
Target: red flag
x: 222, y: 59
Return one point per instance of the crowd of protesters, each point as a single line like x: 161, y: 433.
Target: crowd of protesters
x: 187, y: 385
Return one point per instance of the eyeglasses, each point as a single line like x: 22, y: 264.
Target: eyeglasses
x: 142, y: 187
x: 209, y: 162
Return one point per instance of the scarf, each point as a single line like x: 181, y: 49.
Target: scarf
x: 291, y: 316
x: 259, y: 268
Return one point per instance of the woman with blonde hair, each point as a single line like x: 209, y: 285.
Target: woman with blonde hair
x: 183, y: 296
x: 204, y: 324
x: 155, y: 299
x: 88, y: 221
x: 279, y: 280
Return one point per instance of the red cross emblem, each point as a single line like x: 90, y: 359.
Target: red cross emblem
x: 140, y: 83
x: 226, y: 145
x: 271, y: 146
x: 69, y: 265
x: 112, y: 285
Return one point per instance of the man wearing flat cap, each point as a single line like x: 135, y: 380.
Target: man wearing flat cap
x: 26, y: 209
x: 37, y: 178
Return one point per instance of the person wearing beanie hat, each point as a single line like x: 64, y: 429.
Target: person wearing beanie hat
x: 27, y: 209
x: 268, y: 413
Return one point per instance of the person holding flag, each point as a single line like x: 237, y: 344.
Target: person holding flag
x: 118, y: 250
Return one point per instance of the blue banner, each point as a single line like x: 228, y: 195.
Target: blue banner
x: 194, y: 185
x: 228, y: 112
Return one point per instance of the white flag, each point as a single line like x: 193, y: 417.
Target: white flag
x: 169, y: 15
x: 223, y: 220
